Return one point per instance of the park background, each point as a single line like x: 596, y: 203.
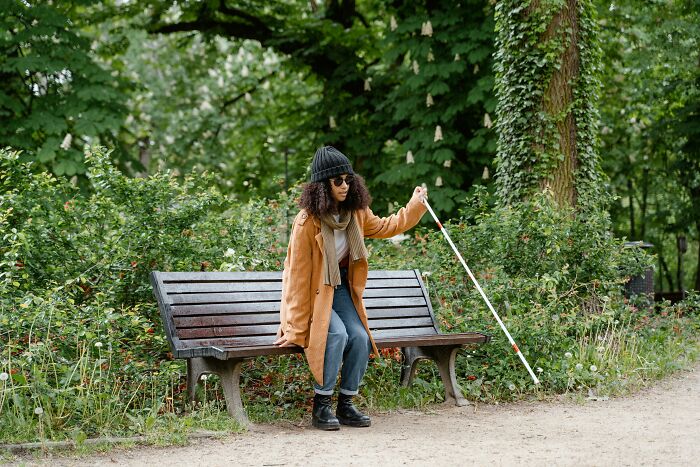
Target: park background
x: 176, y: 135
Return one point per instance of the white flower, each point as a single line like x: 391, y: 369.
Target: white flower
x: 539, y: 370
x: 244, y: 71
x: 392, y: 23
x: 568, y: 355
x: 67, y: 141
x: 612, y: 7
x: 447, y: 163
x: 594, y: 368
x: 367, y: 86
x: 511, y: 386
x: 457, y: 58
x: 229, y: 252
x: 409, y: 158
x: 438, y: 181
x: 246, y: 183
x: 98, y: 344
x: 247, y: 97
x: 485, y: 175
x: 38, y: 411
x: 438, y: 134
x: 429, y: 100
x: 416, y: 67
x: 331, y: 122
x: 205, y: 106
x: 426, y: 29
x: 4, y: 376
x: 431, y: 57
x: 579, y: 366
x: 204, y: 377
x: 476, y: 68
x: 487, y: 120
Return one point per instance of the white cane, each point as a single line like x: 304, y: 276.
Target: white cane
x: 483, y: 295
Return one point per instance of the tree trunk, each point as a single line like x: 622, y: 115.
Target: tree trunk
x: 558, y: 98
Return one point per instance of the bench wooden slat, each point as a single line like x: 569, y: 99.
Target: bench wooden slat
x: 209, y: 287
x: 224, y: 308
x: 232, y: 297
x: 226, y: 320
x: 251, y: 276
x: 403, y: 332
x: 190, y: 288
x: 394, y: 302
x: 396, y: 323
x: 409, y: 312
x: 228, y: 331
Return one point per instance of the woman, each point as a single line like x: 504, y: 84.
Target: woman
x: 324, y: 277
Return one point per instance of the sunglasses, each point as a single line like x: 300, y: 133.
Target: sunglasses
x: 338, y: 181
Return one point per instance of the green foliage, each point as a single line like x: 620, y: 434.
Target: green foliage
x: 556, y: 281
x: 532, y: 39
x: 55, y: 95
x: 81, y: 336
x: 650, y: 125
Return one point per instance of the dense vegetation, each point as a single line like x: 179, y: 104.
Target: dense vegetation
x: 211, y: 113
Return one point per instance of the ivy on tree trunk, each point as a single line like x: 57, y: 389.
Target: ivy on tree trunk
x: 547, y: 66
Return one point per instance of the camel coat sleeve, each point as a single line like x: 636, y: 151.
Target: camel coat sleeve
x: 385, y: 227
x: 295, y: 308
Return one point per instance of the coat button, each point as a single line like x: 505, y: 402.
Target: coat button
x: 318, y: 291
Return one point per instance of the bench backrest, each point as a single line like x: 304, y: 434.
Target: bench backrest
x: 241, y: 309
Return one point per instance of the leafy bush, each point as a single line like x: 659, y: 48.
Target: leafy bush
x: 556, y: 278
x: 82, y: 351
x: 80, y: 334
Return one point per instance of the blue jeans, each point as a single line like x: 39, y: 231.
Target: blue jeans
x: 347, y: 344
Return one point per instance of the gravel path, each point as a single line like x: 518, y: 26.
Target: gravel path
x: 657, y: 426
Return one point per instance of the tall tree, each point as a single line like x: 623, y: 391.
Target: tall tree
x: 55, y: 96
x: 546, y: 83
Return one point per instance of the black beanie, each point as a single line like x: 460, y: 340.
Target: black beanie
x: 329, y: 162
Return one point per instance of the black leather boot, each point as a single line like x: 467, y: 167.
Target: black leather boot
x: 322, y: 414
x: 348, y: 414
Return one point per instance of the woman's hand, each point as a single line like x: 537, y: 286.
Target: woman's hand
x: 420, y: 193
x: 282, y: 342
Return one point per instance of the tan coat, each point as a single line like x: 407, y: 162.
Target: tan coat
x: 306, y: 301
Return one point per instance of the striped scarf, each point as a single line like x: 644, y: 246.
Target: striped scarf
x: 347, y: 222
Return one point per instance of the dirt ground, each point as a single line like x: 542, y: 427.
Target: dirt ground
x: 657, y: 426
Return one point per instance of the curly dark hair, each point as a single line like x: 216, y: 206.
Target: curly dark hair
x: 317, y: 199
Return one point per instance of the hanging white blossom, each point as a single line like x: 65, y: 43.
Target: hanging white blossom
x: 392, y: 23
x: 367, y: 86
x: 248, y: 97
x: 457, y: 58
x: 205, y: 106
x: 426, y: 29
x: 476, y: 68
x: 429, y: 100
x: 266, y: 85
x: 331, y: 122
x: 416, y: 67
x: 447, y: 163
x: 438, y: 134
x: 244, y: 71
x: 67, y: 140
x: 485, y: 175
x: 431, y: 57
x: 423, y: 185
x: 438, y: 181
x: 409, y: 158
x: 487, y: 120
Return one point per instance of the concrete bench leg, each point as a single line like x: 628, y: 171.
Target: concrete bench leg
x: 230, y: 373
x: 444, y: 357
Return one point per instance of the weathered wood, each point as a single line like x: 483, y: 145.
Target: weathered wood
x: 400, y: 323
x: 226, y: 320
x: 216, y: 320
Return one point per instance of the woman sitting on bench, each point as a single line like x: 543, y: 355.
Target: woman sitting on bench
x: 324, y: 278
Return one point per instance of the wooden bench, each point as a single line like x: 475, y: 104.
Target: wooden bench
x: 218, y: 320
